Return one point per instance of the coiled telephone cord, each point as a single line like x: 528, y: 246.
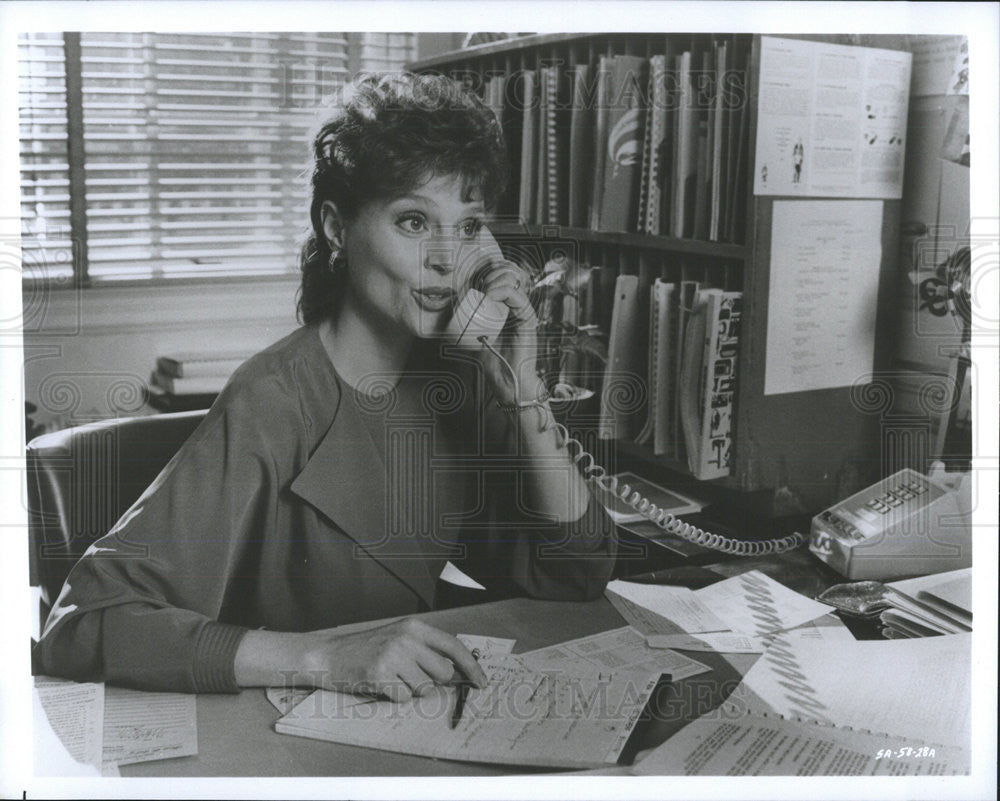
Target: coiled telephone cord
x: 596, y: 475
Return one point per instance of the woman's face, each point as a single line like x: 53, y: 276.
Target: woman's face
x: 408, y: 257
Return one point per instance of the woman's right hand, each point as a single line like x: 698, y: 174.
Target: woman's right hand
x: 396, y: 661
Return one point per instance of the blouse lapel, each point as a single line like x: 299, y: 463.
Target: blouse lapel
x: 345, y: 479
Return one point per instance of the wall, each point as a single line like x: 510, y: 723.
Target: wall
x: 936, y: 211
x: 88, y: 353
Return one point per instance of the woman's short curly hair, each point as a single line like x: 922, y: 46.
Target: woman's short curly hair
x: 388, y: 134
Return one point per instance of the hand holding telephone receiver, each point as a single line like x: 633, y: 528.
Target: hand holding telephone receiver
x: 476, y: 314
x: 479, y: 319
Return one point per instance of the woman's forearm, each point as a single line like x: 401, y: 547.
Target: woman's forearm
x: 556, y: 486
x: 274, y: 659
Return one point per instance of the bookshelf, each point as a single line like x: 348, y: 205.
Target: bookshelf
x: 793, y: 453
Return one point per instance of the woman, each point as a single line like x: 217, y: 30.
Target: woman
x: 343, y: 466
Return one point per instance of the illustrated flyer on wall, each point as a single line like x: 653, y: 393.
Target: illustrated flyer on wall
x: 831, y: 120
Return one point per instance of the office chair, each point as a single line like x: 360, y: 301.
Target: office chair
x: 81, y: 480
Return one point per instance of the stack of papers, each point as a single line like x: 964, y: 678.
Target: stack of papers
x: 929, y: 606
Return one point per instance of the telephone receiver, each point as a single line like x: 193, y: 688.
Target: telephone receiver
x: 476, y: 315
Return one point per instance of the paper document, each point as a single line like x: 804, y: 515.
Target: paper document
x: 753, y: 603
x: 811, y: 708
x: 767, y: 746
x: 678, y: 604
x: 623, y: 649
x: 719, y: 641
x: 830, y: 628
x: 831, y: 120
x: 285, y: 699
x: 486, y: 647
x: 523, y: 717
x: 143, y: 726
x: 75, y: 712
x: 878, y: 685
x: 640, y: 618
x: 826, y: 257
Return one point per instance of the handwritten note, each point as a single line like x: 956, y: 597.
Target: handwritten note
x: 143, y: 726
x: 524, y: 716
x: 678, y: 604
x: 753, y: 603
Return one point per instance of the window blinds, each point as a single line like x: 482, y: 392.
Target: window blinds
x: 45, y: 239
x: 196, y: 145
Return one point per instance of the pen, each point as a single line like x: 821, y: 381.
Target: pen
x: 463, y: 693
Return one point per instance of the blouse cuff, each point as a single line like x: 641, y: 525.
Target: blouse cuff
x: 215, y: 658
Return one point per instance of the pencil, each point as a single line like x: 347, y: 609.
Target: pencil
x: 463, y: 692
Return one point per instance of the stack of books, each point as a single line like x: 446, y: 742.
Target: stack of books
x: 186, y: 381
x: 631, y: 144
x: 669, y: 380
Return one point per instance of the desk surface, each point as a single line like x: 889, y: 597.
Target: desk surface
x: 236, y: 734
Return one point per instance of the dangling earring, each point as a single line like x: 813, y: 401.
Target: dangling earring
x: 337, y: 261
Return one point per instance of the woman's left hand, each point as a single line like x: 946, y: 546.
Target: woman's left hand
x: 507, y: 283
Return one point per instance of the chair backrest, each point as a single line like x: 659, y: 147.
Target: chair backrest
x: 82, y: 480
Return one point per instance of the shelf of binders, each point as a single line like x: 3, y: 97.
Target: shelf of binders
x: 628, y: 158
x: 630, y: 163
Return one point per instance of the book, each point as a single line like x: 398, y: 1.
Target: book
x: 623, y: 152
x: 719, y: 144
x: 581, y: 145
x: 555, y: 148
x: 199, y: 385
x: 601, y: 112
x: 659, y: 145
x: 163, y: 401
x: 704, y: 91
x: 192, y: 365
x: 685, y: 305
x: 699, y: 220
x: 685, y: 151
x: 647, y: 147
x: 622, y: 389
x: 691, y: 378
x: 526, y: 197
x: 645, y: 434
x: 736, y: 181
x: 708, y: 419
x: 664, y: 354
x: 541, y: 149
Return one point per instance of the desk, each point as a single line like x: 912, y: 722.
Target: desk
x: 236, y: 734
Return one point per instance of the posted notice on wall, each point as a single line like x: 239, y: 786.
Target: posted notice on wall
x: 831, y: 120
x: 822, y: 301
